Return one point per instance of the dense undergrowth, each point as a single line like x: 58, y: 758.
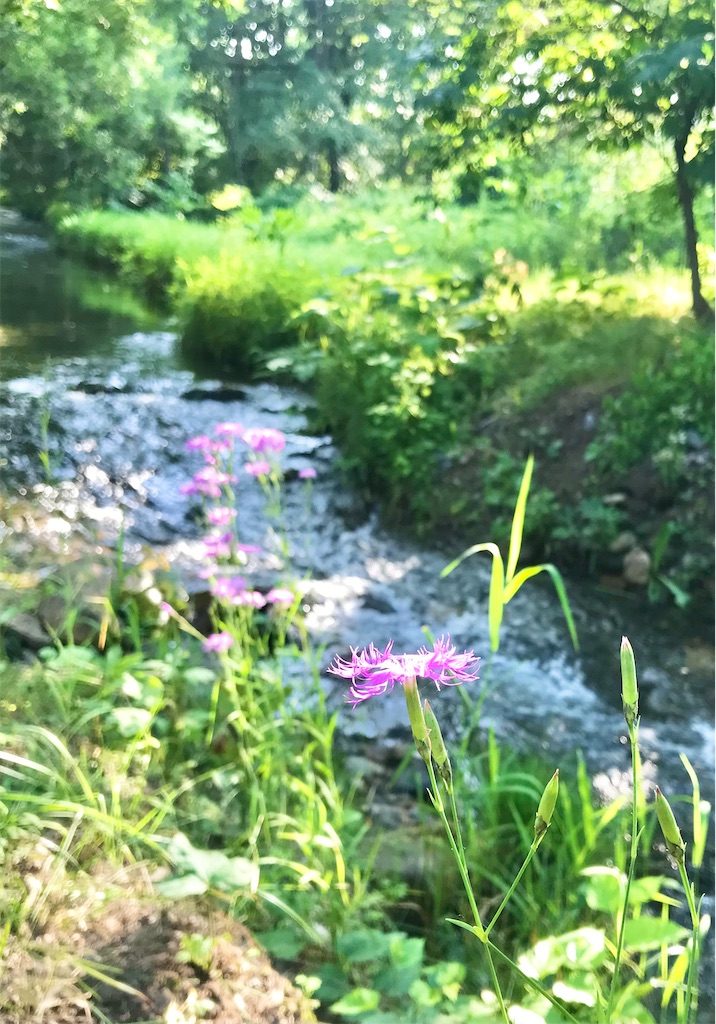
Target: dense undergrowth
x: 436, y: 339
x: 213, y: 761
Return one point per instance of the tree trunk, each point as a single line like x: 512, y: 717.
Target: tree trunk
x: 335, y: 177
x: 699, y: 306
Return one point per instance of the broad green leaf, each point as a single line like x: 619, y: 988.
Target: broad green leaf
x: 518, y: 520
x: 284, y: 943
x: 364, y: 945
x: 178, y: 888
x: 359, y: 1000
x: 644, y: 933
x: 130, y: 722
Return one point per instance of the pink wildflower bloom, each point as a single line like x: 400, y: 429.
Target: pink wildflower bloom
x: 257, y: 468
x: 221, y: 515
x: 198, y: 444
x: 308, y: 473
x: 209, y: 481
x: 229, y: 429
x: 249, y: 598
x: 166, y: 608
x: 264, y: 439
x: 188, y: 488
x: 248, y: 549
x: 375, y: 672
x: 227, y: 587
x: 280, y: 595
x: 218, y: 545
x: 218, y: 642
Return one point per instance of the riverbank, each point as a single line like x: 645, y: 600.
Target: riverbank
x: 124, y: 736
x: 439, y: 360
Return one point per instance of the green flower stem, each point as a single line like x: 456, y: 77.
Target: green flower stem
x: 459, y: 855
x: 634, y: 848
x: 530, y: 854
x: 531, y: 982
x: 692, y: 988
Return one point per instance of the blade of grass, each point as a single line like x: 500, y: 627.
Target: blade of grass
x: 518, y: 520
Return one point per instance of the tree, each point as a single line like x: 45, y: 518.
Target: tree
x: 618, y: 74
x: 94, y: 106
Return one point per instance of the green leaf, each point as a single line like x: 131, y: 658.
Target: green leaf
x: 285, y: 943
x: 359, y: 1000
x: 130, y: 722
x: 518, y: 520
x: 644, y: 933
x: 462, y: 924
x: 178, y: 888
x: 365, y: 945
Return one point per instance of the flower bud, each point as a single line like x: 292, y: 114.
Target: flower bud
x: 438, y: 748
x: 546, y: 806
x: 630, y: 691
x: 674, y: 843
x: 417, y: 719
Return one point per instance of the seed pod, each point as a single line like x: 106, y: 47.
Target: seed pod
x: 630, y: 690
x: 674, y: 842
x: 437, y: 744
x: 546, y: 806
x: 417, y: 720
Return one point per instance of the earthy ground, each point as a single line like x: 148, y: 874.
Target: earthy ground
x: 177, y: 963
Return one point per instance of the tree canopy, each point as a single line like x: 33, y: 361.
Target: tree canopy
x: 130, y: 103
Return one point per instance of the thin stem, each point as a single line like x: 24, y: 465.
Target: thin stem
x: 692, y: 990
x: 633, y: 740
x: 530, y: 854
x: 531, y: 982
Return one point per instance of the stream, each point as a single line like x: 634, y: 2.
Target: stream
x: 96, y: 382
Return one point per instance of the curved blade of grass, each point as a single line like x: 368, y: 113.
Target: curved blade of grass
x: 518, y: 520
x: 699, y: 836
x: 495, y: 604
x: 497, y: 586
x: 525, y: 574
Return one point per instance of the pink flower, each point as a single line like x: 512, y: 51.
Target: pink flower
x: 257, y: 468
x: 230, y: 429
x: 280, y: 595
x: 226, y: 588
x: 189, y: 488
x: 198, y: 444
x: 376, y: 672
x: 248, y: 549
x: 218, y: 642
x: 221, y: 515
x: 249, y: 598
x: 218, y: 545
x: 264, y: 439
x: 308, y: 473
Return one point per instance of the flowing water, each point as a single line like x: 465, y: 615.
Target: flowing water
x: 89, y: 378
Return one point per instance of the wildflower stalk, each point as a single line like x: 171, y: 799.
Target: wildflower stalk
x: 677, y: 848
x: 692, y: 988
x: 630, y: 707
x: 458, y: 852
x: 542, y: 823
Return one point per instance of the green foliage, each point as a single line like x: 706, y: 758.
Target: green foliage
x: 664, y: 414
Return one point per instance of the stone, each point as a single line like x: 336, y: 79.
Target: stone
x: 625, y: 541
x: 29, y: 630
x: 637, y: 567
